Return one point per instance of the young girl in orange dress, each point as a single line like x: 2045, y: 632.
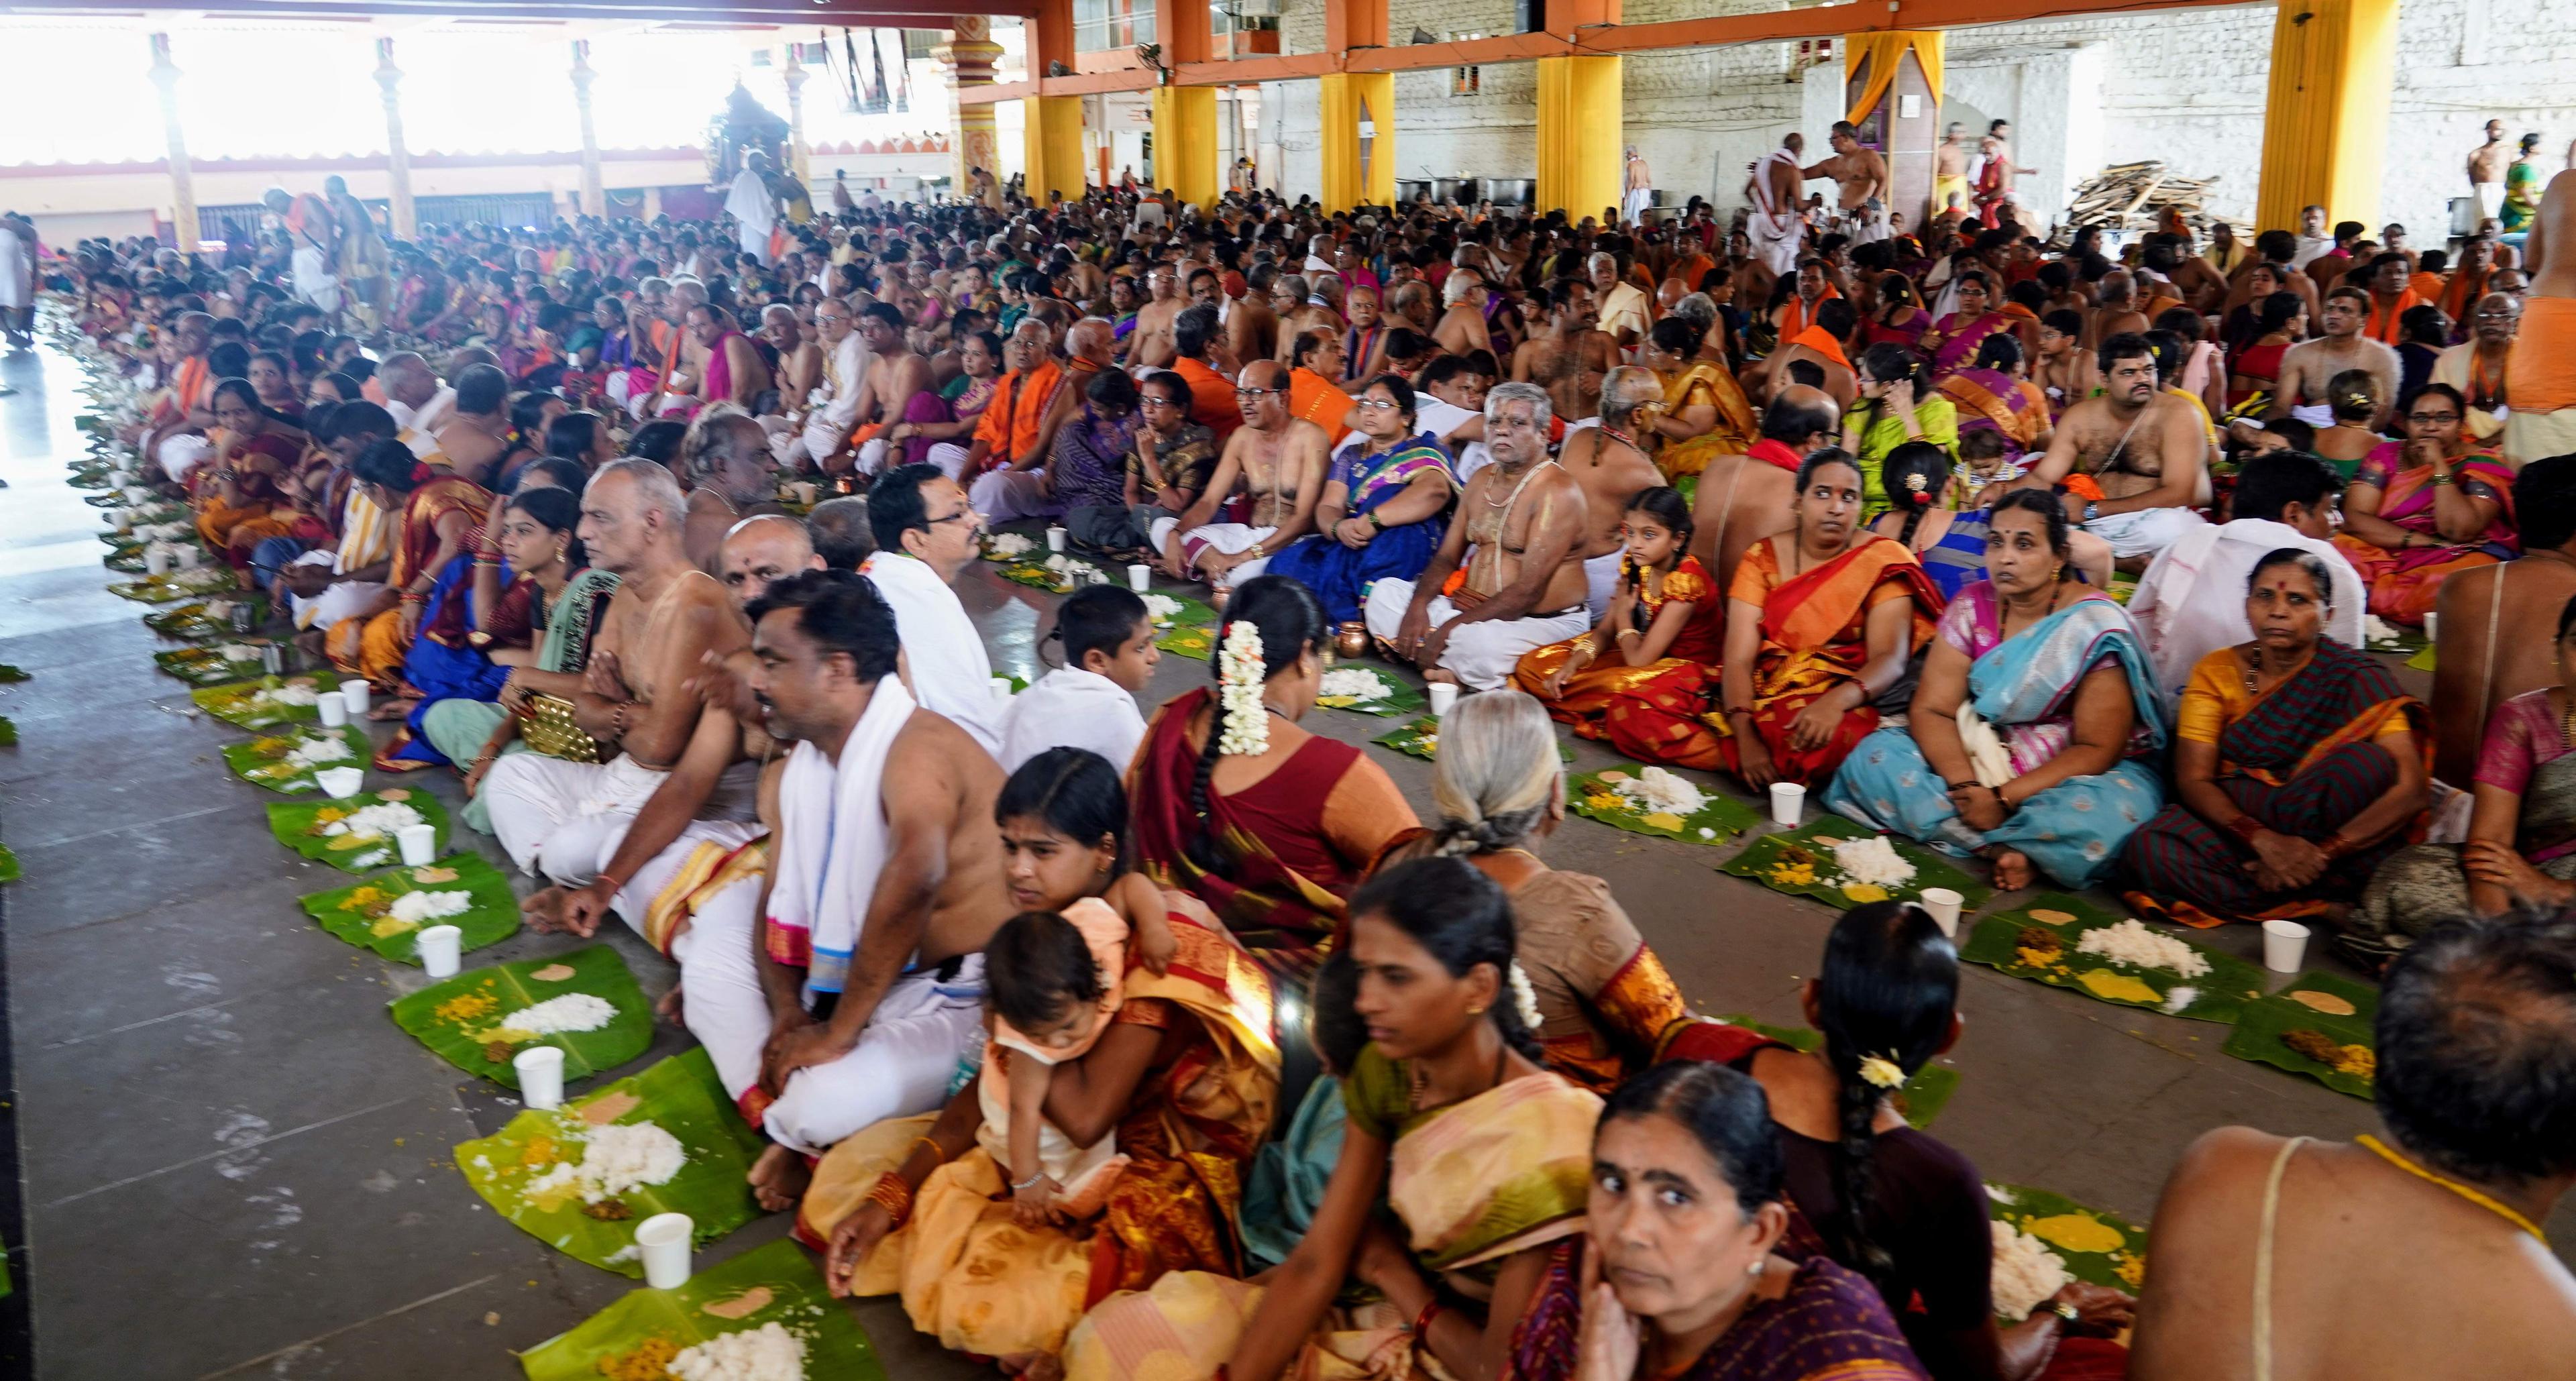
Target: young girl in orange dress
x: 1666, y: 617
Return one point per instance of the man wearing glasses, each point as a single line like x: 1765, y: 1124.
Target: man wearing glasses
x: 831, y: 412
x: 926, y: 534
x: 2476, y: 366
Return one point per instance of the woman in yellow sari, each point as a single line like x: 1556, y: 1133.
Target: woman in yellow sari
x: 1480, y: 1152
x: 1186, y: 1078
x: 433, y: 514
x: 1706, y: 414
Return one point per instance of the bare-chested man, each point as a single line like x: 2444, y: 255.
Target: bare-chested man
x: 800, y: 361
x: 885, y: 877
x: 2414, y: 1256
x: 2115, y: 312
x: 566, y: 818
x: 477, y: 433
x: 1743, y: 499
x: 1776, y: 188
x: 1462, y: 318
x: 1612, y: 469
x: 897, y: 377
x: 2487, y: 650
x: 738, y: 375
x: 1292, y: 296
x: 1824, y: 343
x: 2310, y: 365
x: 1520, y: 534
x: 726, y: 459
x: 2487, y: 163
x: 1570, y: 357
x: 1149, y: 345
x: 2064, y: 371
x: 1277, y: 462
x: 1251, y: 328
x: 2147, y: 449
x: 1950, y: 169
x: 1860, y: 175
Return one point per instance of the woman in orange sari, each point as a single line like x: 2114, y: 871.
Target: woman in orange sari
x: 237, y: 496
x: 433, y: 514
x: 1185, y: 1077
x: 1665, y: 617
x: 2421, y: 509
x: 1823, y: 623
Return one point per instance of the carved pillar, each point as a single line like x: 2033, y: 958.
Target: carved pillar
x: 397, y: 154
x: 183, y: 184
x: 796, y: 76
x: 594, y: 191
x: 969, y: 55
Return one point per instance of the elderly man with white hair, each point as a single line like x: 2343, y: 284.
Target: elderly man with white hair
x: 1519, y: 538
x: 819, y: 427
x: 1621, y: 303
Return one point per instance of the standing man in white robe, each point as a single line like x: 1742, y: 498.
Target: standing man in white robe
x: 1776, y: 226
x: 754, y: 209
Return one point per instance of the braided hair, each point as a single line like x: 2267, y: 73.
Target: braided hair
x: 1888, y: 993
x: 1291, y: 624
x: 1911, y: 480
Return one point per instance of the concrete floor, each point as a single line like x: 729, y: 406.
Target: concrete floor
x: 234, y: 1164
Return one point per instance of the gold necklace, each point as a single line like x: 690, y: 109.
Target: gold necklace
x: 2478, y: 1197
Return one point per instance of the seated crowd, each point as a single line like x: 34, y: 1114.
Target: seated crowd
x: 1271, y: 1077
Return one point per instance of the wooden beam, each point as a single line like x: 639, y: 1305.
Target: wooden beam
x: 795, y: 14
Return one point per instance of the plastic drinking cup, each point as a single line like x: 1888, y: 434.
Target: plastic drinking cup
x: 1944, y: 905
x: 663, y: 1240
x: 419, y: 844
x: 156, y: 559
x: 356, y: 694
x: 340, y: 782
x: 1055, y: 539
x: 2285, y: 946
x: 1788, y: 803
x: 439, y: 948
x: 1443, y: 695
x: 1140, y: 578
x: 541, y: 1087
x: 2432, y: 625
x: 188, y: 557
x: 1002, y: 689
x: 333, y: 709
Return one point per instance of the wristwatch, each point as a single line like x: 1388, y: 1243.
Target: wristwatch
x: 2092, y: 511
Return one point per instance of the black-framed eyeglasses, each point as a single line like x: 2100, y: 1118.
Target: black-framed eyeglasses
x: 1258, y: 392
x: 963, y: 515
x: 2432, y: 418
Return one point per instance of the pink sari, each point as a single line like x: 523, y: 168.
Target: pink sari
x: 2405, y: 583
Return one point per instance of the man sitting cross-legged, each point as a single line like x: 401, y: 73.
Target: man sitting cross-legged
x: 1519, y: 537
x: 885, y: 879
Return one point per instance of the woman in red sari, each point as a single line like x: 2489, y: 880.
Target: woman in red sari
x: 1271, y: 826
x: 1823, y: 623
x: 238, y: 495
x: 433, y: 515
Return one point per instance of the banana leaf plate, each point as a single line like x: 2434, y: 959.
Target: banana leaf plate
x: 264, y: 761
x: 176, y: 586
x: 207, y: 666
x: 245, y: 704
x: 2054, y: 922
x: 1801, y: 863
x: 1397, y: 699
x: 1421, y: 739
x: 301, y: 826
x: 362, y: 914
x: 775, y: 1283
x: 682, y: 1096
x: 1037, y: 552
x: 460, y: 1018
x: 2098, y: 1248
x: 1196, y: 641
x: 8, y: 864
x: 1183, y: 611
x: 1919, y: 1099
x: 2264, y: 1029
x: 1036, y: 576
x: 199, y: 621
x: 1719, y: 821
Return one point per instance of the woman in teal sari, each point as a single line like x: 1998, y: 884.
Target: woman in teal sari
x: 2032, y: 730
x: 1383, y: 509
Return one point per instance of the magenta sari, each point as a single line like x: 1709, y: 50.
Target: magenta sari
x: 1953, y: 346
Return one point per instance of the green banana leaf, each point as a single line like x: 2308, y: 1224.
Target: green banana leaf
x: 206, y: 666
x: 262, y: 761
x: 1919, y: 1099
x: 176, y: 586
x: 2423, y: 658
x: 192, y: 623
x: 1032, y: 572
x: 1721, y: 820
x: 2261, y: 1026
x: 11, y: 674
x: 8, y: 732
x: 1191, y: 613
x: 2049, y: 1217
x: 460, y: 1018
x: 299, y: 826
x: 242, y: 705
x: 357, y: 912
x: 1397, y: 699
x: 2218, y: 995
x: 1196, y: 641
x: 682, y: 1096
x: 1421, y: 739
x: 8, y: 864
x: 1764, y: 858
x: 778, y: 1277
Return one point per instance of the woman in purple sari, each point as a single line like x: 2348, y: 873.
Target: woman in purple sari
x: 1089, y: 464
x: 1954, y: 339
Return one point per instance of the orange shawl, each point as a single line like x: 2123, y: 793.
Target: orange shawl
x: 1822, y: 341
x: 1011, y: 422
x: 1314, y: 398
x: 1796, y: 316
x: 2383, y: 320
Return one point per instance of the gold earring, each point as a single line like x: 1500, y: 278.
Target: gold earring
x: 1475, y: 1011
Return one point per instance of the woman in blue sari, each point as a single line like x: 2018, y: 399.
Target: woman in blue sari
x: 2033, y: 730
x: 1384, y: 506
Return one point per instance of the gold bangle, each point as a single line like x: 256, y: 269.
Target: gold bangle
x: 894, y: 1196
x: 938, y: 1153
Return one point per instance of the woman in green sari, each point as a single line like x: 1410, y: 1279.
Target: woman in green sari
x: 2520, y: 858
x: 1481, y: 1153
x: 539, y: 625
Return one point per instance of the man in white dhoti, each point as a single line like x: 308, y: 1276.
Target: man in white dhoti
x: 566, y: 819
x: 1641, y: 189
x: 1519, y: 537
x: 926, y: 535
x: 753, y: 208
x: 1777, y: 187
x: 2148, y: 450
x: 1276, y: 461
x: 885, y: 880
x: 2191, y: 602
x: 819, y: 428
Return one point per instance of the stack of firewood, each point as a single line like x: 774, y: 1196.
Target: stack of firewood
x: 2133, y: 197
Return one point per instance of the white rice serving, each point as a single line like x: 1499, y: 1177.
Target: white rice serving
x: 2131, y: 943
x: 555, y: 1015
x: 1355, y: 682
x: 1162, y: 608
x: 1873, y: 861
x: 1658, y: 790
x: 1009, y: 544
x: 313, y: 752
x: 290, y: 695
x: 615, y: 1159
x: 430, y: 906
x: 2026, y: 1272
x: 766, y: 1353
x: 380, y: 820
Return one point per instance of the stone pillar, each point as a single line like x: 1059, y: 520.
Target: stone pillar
x: 397, y: 156
x: 183, y: 182
x: 1582, y: 168
x: 1358, y: 129
x: 796, y: 77
x: 594, y: 188
x: 969, y: 55
x: 2325, y: 126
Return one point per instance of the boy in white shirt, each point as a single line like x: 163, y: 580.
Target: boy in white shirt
x: 1090, y: 701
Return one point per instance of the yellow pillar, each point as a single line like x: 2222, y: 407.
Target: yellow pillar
x: 1051, y: 154
x: 2325, y: 126
x: 973, y: 143
x: 1185, y: 156
x: 183, y: 183
x: 1358, y: 139
x: 406, y: 219
x: 594, y: 189
x: 1581, y: 168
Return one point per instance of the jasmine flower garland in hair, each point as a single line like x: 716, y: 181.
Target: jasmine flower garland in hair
x: 1524, y: 998
x: 1239, y: 673
x: 1881, y: 1071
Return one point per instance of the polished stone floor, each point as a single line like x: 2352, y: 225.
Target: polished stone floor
x: 234, y: 1164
